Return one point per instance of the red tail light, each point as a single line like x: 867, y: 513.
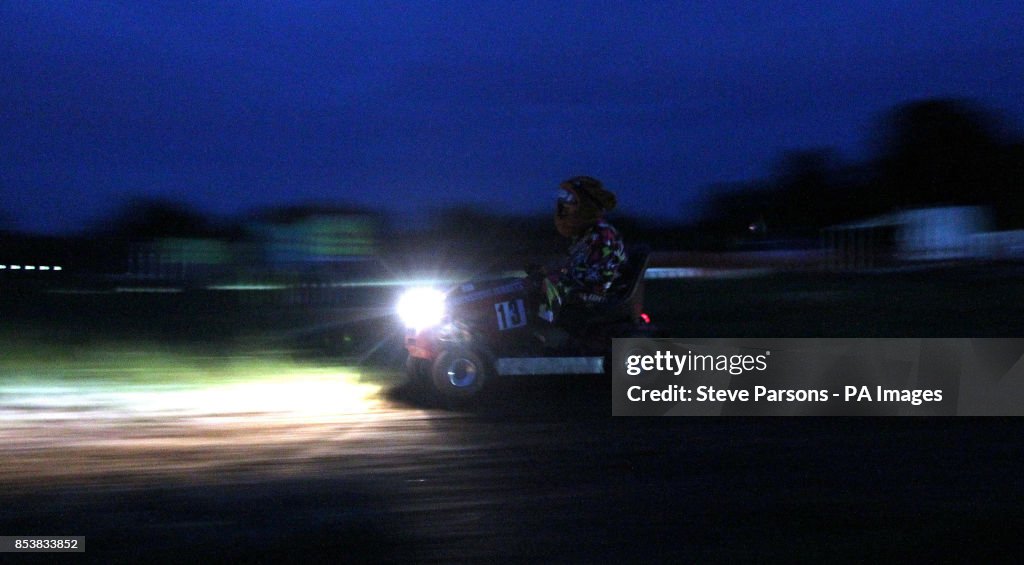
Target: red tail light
x: 645, y: 317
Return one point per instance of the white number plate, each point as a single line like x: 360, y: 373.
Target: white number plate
x: 510, y: 314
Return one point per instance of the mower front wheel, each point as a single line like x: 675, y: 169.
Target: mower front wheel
x: 459, y: 373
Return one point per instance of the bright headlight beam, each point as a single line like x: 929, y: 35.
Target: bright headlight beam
x: 421, y: 307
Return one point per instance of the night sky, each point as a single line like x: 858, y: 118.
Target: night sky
x: 410, y: 106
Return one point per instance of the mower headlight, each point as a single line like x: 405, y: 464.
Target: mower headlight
x: 421, y: 307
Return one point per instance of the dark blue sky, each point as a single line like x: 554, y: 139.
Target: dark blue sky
x: 407, y: 106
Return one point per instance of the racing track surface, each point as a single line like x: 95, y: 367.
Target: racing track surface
x: 540, y: 472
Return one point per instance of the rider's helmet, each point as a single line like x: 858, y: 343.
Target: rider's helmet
x: 582, y: 201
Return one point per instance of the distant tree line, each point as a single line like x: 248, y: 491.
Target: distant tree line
x: 927, y: 153
x: 937, y: 152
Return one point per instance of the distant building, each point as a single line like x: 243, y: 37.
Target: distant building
x: 180, y: 258
x: 926, y: 234
x: 314, y: 238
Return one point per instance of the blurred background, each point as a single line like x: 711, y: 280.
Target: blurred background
x: 266, y: 151
x: 937, y: 211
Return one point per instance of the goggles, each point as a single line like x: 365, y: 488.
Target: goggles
x: 566, y: 197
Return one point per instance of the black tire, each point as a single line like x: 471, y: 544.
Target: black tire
x: 460, y: 373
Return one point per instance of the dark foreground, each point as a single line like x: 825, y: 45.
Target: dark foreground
x: 541, y: 472
x: 542, y: 475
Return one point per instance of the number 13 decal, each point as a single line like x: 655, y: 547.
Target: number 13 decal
x: 510, y: 314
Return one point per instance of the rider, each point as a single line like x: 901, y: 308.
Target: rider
x: 588, y: 274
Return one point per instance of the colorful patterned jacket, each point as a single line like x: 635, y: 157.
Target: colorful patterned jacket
x: 590, y: 271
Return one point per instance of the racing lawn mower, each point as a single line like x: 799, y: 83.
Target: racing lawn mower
x: 459, y: 340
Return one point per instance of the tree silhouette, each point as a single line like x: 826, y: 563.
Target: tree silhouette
x: 938, y: 152
x: 1009, y: 187
x: 144, y: 218
x: 804, y: 198
x: 732, y: 210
